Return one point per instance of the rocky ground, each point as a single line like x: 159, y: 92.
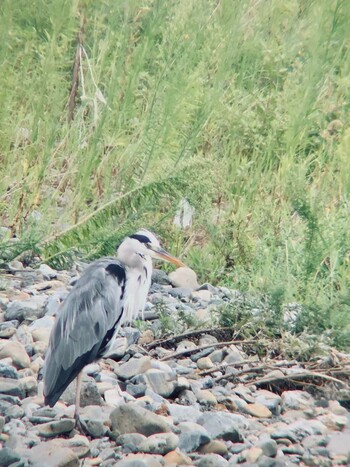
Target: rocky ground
x: 198, y: 399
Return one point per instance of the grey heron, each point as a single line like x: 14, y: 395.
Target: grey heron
x: 110, y: 292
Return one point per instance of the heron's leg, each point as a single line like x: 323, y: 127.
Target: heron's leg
x: 77, y: 398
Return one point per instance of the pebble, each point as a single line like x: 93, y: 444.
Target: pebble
x: 159, y: 443
x: 30, y: 309
x: 134, y: 367
x: 15, y: 351
x: 184, y: 277
x: 192, y: 436
x: 222, y: 425
x: 52, y: 429
x: 212, y: 460
x: 132, y: 418
x: 52, y: 454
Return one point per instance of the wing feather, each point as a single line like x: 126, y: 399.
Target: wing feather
x: 87, y: 320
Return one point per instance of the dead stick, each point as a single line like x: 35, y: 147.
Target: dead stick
x: 192, y: 333
x: 76, y: 67
x: 203, y: 347
x: 274, y: 379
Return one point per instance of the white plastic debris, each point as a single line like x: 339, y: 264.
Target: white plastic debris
x: 184, y: 214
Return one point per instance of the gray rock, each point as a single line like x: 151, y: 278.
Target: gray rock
x: 16, y: 351
x: 203, y: 353
x: 339, y: 443
x: 284, y: 434
x: 184, y: 277
x: 223, y: 425
x: 131, y: 418
x: 294, y: 449
x: 8, y: 371
x: 30, y: 309
x: 212, y: 460
x: 14, y: 412
x: 47, y: 272
x: 52, y: 429
x: 233, y: 356
x: 134, y: 367
x: 8, y: 328
x: 136, y: 390
x: 160, y: 277
x: 160, y: 382
x: 130, y: 442
x: 53, y: 453
x: 180, y: 292
x: 98, y: 445
x: 12, y: 387
x: 94, y: 428
x: 297, y: 400
x: 8, y: 456
x: 142, y: 460
x: 185, y: 345
x: 132, y: 334
x: 187, y: 397
x: 192, y: 436
x: 80, y: 445
x: 270, y: 400
x: 269, y: 447
x: 159, y: 443
x: 181, y: 413
x: 217, y: 356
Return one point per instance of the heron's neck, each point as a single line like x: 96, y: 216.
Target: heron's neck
x: 138, y: 282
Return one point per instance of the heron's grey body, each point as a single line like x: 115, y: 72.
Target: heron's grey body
x: 110, y: 292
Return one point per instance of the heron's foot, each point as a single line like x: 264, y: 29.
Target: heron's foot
x: 80, y: 425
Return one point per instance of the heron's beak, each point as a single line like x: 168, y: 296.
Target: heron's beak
x: 164, y: 255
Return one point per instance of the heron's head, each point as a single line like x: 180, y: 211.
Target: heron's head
x: 137, y: 247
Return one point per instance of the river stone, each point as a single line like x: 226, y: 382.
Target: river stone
x: 140, y: 460
x: 130, y: 442
x: 214, y: 446
x: 132, y: 418
x: 192, y: 436
x: 8, y: 457
x: 52, y: 454
x: 30, y: 309
x: 182, y: 413
x: 16, y: 351
x: 160, y: 382
x: 52, y: 429
x: 222, y: 425
x: 339, y: 444
x: 204, y: 363
x: 269, y: 447
x: 12, y: 387
x: 176, y: 457
x: 134, y: 367
x: 212, y: 460
x: 8, y: 329
x: 159, y: 443
x: 297, y: 400
x: 205, y: 397
x: 47, y: 272
x: 7, y: 370
x: 184, y: 277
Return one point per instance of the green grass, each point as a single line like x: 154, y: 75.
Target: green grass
x: 241, y: 106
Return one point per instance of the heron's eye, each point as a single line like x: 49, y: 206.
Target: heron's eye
x: 142, y: 255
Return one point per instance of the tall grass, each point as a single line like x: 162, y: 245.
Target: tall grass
x: 240, y: 106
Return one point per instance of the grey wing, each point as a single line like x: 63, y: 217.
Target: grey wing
x: 88, y: 319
